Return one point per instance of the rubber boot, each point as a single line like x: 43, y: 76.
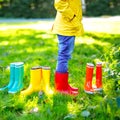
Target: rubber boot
x: 12, y: 77
x: 61, y: 84
x: 35, y: 81
x: 88, y: 82
x: 18, y: 83
x: 98, y: 77
x: 46, y: 80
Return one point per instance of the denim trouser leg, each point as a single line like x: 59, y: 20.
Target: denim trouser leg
x: 65, y: 49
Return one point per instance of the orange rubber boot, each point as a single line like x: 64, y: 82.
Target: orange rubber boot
x: 98, y: 77
x: 88, y: 82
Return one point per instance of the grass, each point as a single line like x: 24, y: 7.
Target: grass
x: 37, y: 47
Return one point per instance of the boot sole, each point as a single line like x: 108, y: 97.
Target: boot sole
x: 75, y: 93
x: 89, y: 92
x: 98, y: 89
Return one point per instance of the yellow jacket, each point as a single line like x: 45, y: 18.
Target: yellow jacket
x: 68, y: 18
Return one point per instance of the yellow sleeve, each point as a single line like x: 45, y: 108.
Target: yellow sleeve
x: 62, y: 6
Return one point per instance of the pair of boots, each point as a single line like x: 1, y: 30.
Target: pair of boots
x: 39, y: 80
x: 16, y: 78
x: 88, y: 88
x: 62, y: 85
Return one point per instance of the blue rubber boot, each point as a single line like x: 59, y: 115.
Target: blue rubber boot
x: 19, y: 73
x: 12, y: 77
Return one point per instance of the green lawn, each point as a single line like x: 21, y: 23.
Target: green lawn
x: 39, y: 48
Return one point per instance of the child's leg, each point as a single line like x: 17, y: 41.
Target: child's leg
x: 66, y: 46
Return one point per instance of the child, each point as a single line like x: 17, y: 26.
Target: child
x: 67, y: 26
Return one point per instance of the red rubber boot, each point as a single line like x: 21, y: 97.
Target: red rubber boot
x: 61, y: 84
x: 88, y: 82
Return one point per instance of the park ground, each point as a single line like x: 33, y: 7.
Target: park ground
x: 31, y: 41
x: 107, y: 24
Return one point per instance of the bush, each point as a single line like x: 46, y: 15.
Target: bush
x: 102, y: 7
x: 45, y: 8
x: 113, y: 67
x: 27, y: 8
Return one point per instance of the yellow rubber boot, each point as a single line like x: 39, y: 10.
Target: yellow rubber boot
x: 46, y: 80
x: 35, y: 81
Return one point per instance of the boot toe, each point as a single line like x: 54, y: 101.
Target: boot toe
x: 73, y: 88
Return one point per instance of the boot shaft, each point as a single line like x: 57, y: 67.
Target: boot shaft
x: 61, y: 81
x: 46, y: 73
x: 89, y: 71
x: 12, y: 71
x: 12, y: 75
x: 19, y: 71
x: 35, y: 75
x: 99, y: 75
x: 99, y: 71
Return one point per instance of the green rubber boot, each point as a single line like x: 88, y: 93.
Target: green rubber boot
x: 18, y: 83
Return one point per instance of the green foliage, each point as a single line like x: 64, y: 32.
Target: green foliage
x: 102, y: 7
x: 112, y: 69
x: 45, y: 8
x: 27, y: 8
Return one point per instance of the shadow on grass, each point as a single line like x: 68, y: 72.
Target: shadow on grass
x: 114, y: 39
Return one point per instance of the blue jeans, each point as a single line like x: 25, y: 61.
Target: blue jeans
x: 65, y: 49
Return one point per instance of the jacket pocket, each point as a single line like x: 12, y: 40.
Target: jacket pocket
x: 75, y: 22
